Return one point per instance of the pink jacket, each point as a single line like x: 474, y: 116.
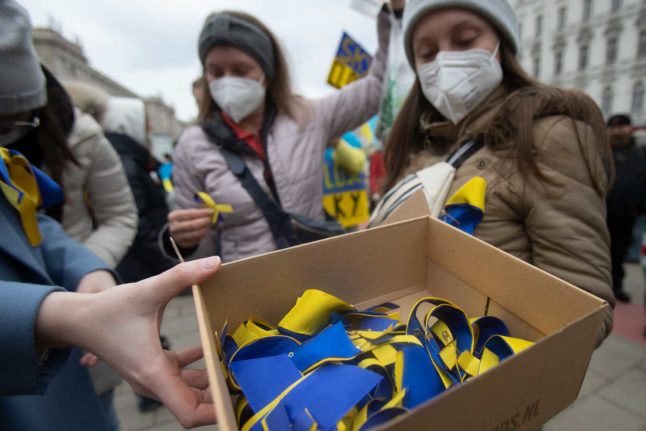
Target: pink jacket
x: 295, y: 150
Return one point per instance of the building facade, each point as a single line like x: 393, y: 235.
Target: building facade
x: 598, y: 46
x: 66, y: 60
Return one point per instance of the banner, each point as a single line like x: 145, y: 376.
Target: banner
x: 345, y: 182
x: 351, y: 63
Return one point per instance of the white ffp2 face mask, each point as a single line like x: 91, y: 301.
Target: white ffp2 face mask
x: 456, y: 82
x: 238, y: 97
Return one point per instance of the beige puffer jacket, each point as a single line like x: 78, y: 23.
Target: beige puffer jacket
x: 97, y: 193
x: 295, y: 150
x: 558, y: 225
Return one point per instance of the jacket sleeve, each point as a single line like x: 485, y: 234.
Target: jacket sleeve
x: 357, y: 102
x: 21, y: 370
x: 67, y: 261
x: 188, y: 182
x: 565, y: 214
x: 111, y: 201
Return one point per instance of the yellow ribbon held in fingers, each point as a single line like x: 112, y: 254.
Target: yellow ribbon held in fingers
x: 218, y: 209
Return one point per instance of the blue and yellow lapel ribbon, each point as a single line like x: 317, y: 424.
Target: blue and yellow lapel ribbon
x: 465, y: 209
x: 27, y: 189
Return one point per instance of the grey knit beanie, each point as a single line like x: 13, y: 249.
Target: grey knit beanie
x: 498, y: 12
x: 22, y: 83
x: 225, y: 29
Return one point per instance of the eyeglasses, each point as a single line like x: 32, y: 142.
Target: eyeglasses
x: 33, y: 123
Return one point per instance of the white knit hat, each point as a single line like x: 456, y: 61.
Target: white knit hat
x: 498, y: 12
x: 22, y: 83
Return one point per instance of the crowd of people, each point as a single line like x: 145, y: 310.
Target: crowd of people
x: 86, y: 266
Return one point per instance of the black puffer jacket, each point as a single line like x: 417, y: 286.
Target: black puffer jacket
x: 628, y: 194
x: 144, y: 259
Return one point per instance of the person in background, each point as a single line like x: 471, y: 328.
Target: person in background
x: 166, y: 173
x: 626, y: 197
x: 545, y: 155
x: 99, y: 210
x: 281, y: 138
x: 55, y: 293
x: 124, y: 122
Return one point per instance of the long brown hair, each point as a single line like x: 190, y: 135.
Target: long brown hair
x: 528, y: 101
x: 56, y: 123
x: 278, y: 89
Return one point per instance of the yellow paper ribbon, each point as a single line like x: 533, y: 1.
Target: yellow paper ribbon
x: 22, y: 193
x: 208, y: 202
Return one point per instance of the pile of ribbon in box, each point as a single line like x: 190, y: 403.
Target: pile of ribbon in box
x: 329, y: 366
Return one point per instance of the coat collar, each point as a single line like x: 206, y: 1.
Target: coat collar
x: 13, y: 241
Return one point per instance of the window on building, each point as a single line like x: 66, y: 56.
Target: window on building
x: 584, y: 52
x: 638, y: 98
x: 587, y: 10
x: 606, y: 100
x: 611, y: 50
x: 562, y: 17
x: 616, y: 4
x: 537, y: 66
x: 539, y: 25
x: 558, y: 62
x: 641, y: 50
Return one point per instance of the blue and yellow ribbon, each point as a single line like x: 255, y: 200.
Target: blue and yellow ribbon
x: 465, y: 209
x: 327, y: 365
x: 217, y: 208
x: 27, y: 189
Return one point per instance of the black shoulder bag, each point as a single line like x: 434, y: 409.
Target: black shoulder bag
x: 287, y: 229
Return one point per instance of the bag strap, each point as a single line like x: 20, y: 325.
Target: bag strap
x: 462, y: 154
x: 277, y: 219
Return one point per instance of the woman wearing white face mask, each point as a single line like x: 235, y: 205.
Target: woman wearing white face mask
x: 251, y: 111
x: 545, y: 156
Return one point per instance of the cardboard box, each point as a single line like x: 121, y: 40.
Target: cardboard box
x: 403, y: 262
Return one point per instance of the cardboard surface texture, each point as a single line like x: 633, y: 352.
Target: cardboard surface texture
x: 403, y: 262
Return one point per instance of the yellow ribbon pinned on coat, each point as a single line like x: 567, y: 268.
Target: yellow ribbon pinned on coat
x: 472, y: 193
x: 21, y: 190
x: 218, y: 209
x: 466, y: 208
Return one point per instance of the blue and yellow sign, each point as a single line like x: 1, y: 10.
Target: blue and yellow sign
x: 351, y: 63
x: 345, y: 194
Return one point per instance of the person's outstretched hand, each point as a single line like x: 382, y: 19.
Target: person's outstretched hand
x: 121, y: 326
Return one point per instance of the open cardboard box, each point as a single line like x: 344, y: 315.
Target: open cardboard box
x: 403, y: 262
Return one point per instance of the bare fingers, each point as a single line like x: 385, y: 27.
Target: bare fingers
x: 188, y: 227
